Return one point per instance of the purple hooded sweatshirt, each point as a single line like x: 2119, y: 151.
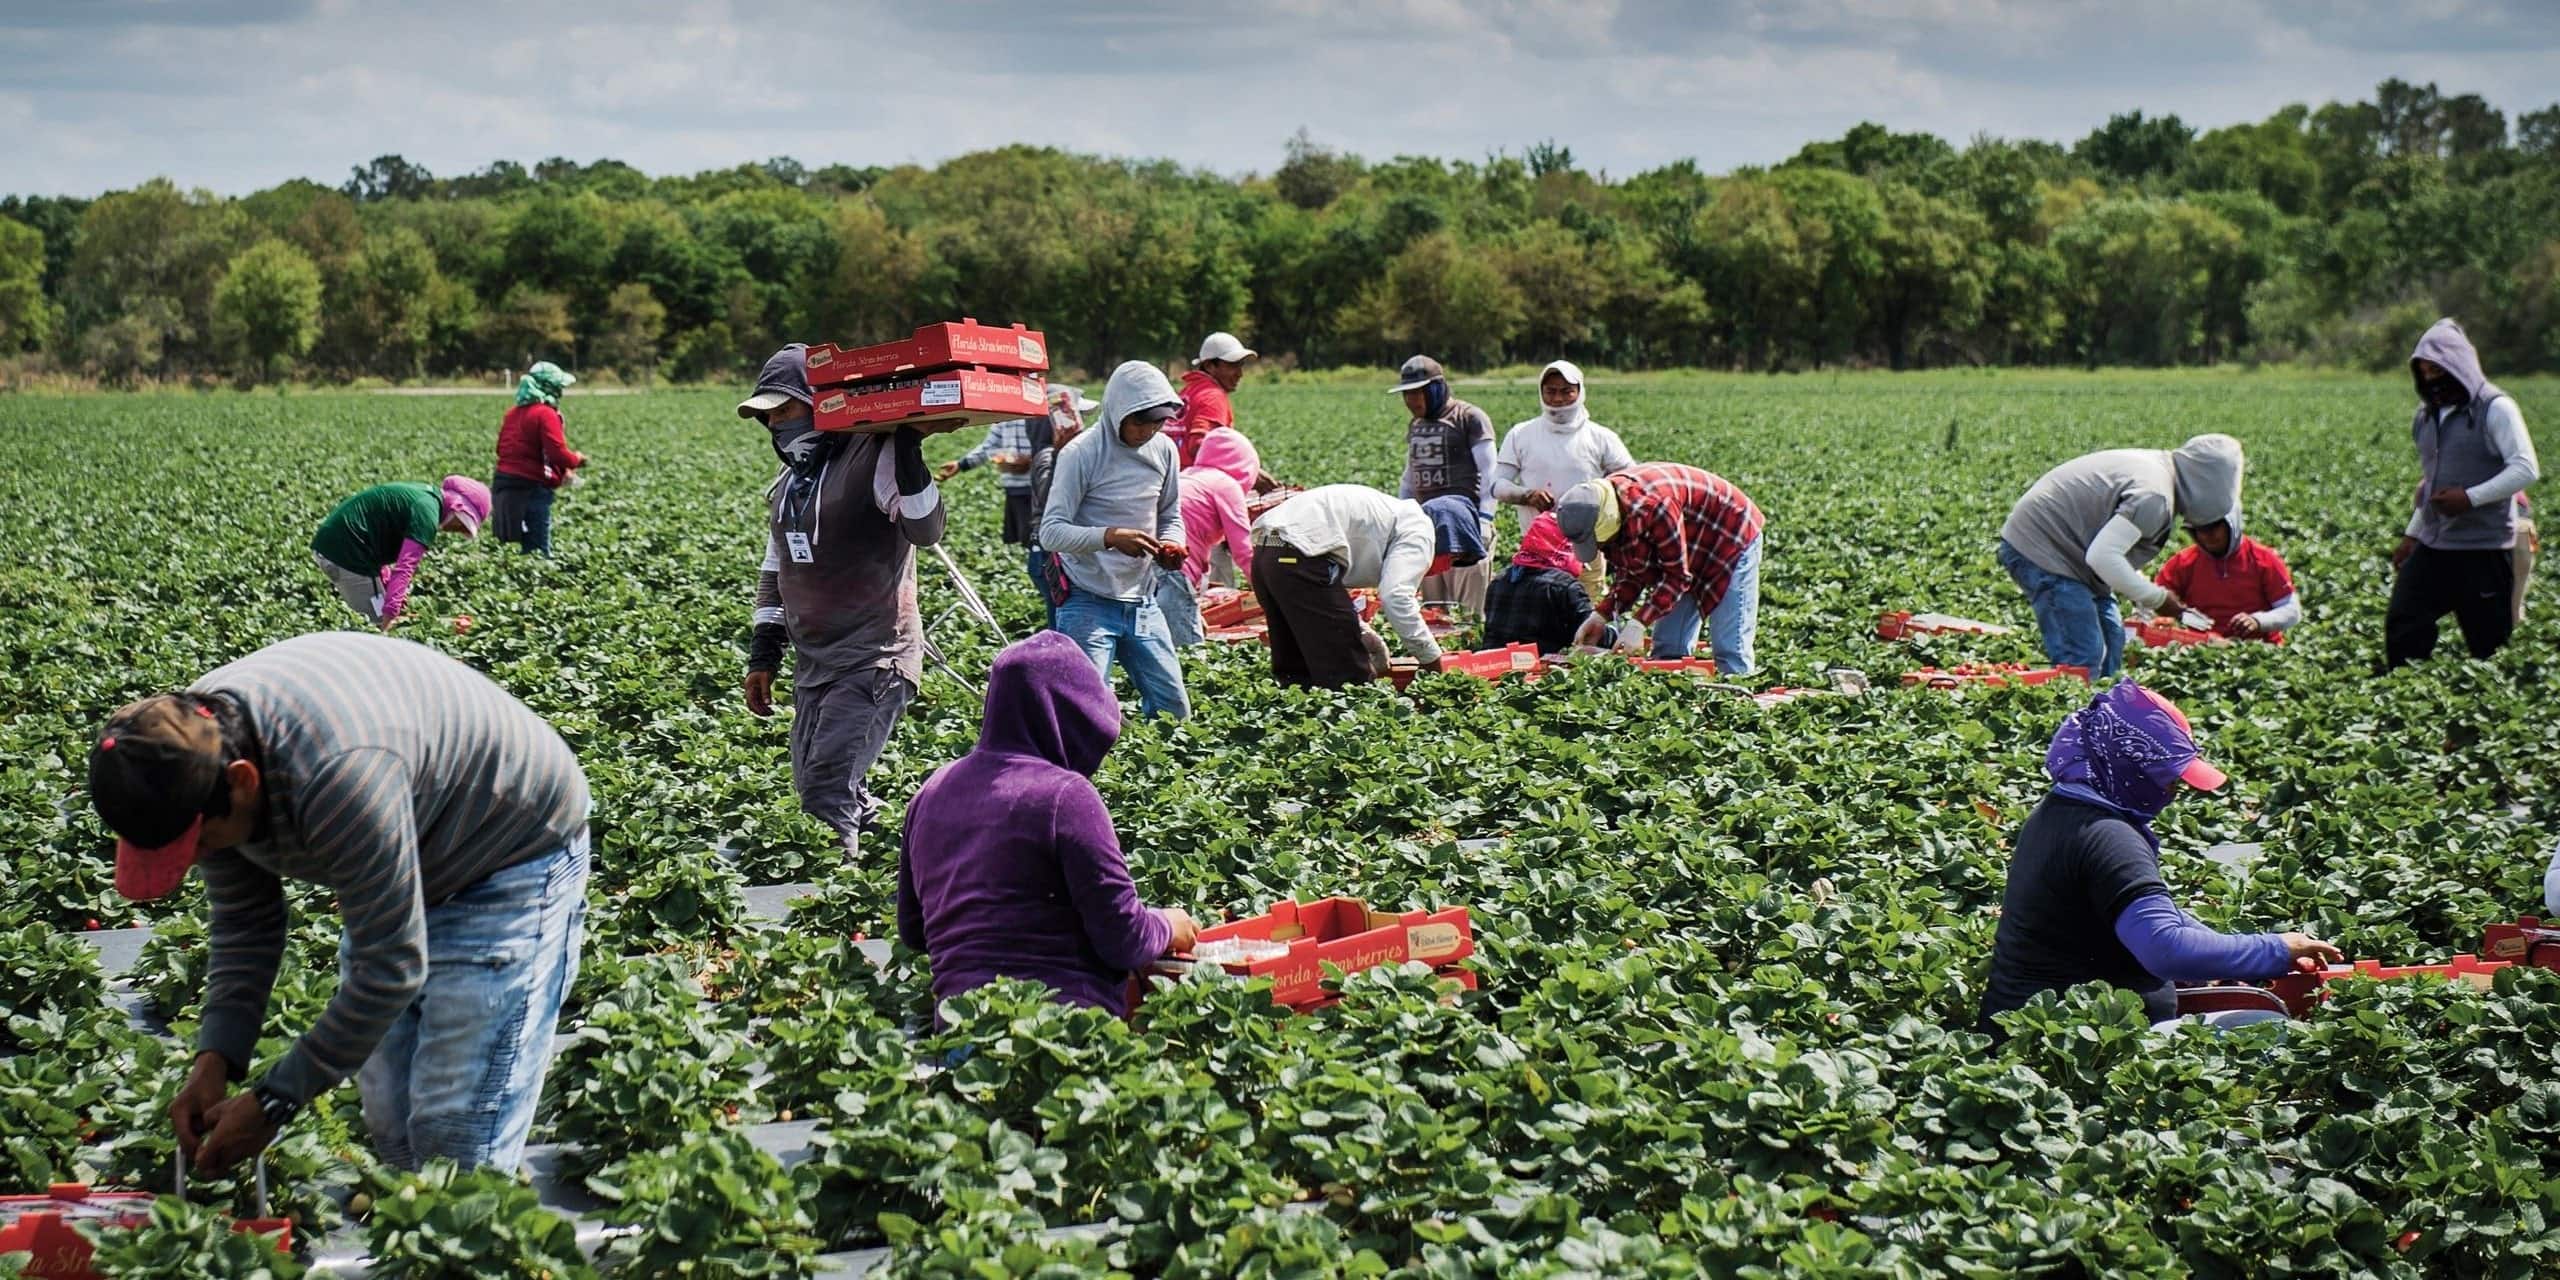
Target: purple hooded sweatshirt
x: 1010, y: 867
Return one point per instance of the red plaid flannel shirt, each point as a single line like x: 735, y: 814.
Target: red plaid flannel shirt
x: 1680, y: 531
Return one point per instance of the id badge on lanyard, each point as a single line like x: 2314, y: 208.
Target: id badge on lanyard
x: 797, y: 543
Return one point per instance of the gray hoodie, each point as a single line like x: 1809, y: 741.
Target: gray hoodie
x: 2061, y: 525
x: 2479, y: 446
x: 1099, y: 483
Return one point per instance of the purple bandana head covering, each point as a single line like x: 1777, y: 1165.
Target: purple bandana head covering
x: 2127, y: 751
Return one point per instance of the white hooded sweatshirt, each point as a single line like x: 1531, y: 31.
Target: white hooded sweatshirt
x: 1558, y: 449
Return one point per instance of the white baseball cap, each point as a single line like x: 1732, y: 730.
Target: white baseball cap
x: 1222, y: 346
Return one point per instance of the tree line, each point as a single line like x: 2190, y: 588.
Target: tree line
x: 2327, y: 235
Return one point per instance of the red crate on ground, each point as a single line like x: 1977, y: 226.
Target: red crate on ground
x: 43, y: 1226
x: 2529, y: 941
x: 933, y: 402
x: 1989, y: 673
x: 2159, y: 633
x: 1227, y: 607
x: 1703, y: 668
x: 1894, y: 624
x: 1255, y: 504
x: 935, y: 346
x: 1342, y: 932
x: 1489, y: 664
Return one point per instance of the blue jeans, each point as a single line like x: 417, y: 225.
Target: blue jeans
x: 1133, y: 632
x: 1732, y: 625
x: 459, y: 1073
x: 2080, y: 626
x: 520, y: 512
x: 1181, y: 608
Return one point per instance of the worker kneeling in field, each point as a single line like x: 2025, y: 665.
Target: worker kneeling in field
x: 1009, y: 866
x: 2080, y: 536
x: 370, y: 545
x: 2085, y: 901
x: 1310, y: 551
x: 1540, y: 599
x: 1684, y: 541
x: 2238, y: 582
x: 450, y: 823
x: 838, y: 583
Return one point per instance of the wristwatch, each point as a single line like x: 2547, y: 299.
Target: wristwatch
x: 275, y: 1107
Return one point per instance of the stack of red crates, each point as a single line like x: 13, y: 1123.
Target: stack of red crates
x: 43, y: 1226
x: 945, y: 377
x: 1345, y: 933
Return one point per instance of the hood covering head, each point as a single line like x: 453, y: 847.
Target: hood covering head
x: 1226, y: 449
x: 2229, y: 544
x: 2126, y: 751
x: 1543, y: 546
x: 1046, y: 700
x: 543, y: 383
x: 1135, y: 385
x: 1571, y: 417
x: 2208, y: 470
x: 467, y: 500
x: 2449, y: 347
x: 1457, y: 529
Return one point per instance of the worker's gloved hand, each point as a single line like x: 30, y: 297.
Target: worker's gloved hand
x: 907, y: 449
x: 1628, y: 637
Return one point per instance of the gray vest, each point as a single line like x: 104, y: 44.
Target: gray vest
x: 2455, y: 452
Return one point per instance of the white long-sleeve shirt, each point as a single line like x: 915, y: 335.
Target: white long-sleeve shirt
x: 1379, y: 541
x: 1536, y: 454
x: 2514, y: 445
x: 2110, y: 556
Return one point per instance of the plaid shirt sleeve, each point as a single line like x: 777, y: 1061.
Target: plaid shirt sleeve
x: 1681, y: 535
x: 1722, y: 523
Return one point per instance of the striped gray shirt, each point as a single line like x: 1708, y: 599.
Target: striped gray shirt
x: 396, y: 776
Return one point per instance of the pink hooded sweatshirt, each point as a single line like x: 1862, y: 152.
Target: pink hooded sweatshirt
x: 1213, y: 506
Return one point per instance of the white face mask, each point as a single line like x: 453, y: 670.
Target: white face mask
x: 1566, y: 415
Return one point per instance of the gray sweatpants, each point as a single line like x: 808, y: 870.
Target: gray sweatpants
x: 361, y: 592
x: 838, y: 730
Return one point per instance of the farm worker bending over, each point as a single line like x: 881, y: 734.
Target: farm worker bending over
x: 1067, y: 409
x: 1309, y: 552
x: 1538, y: 600
x: 450, y: 824
x: 2474, y: 460
x: 1562, y: 447
x: 1448, y: 453
x: 1114, y: 516
x: 2236, y: 580
x: 2085, y: 901
x: 370, y: 545
x: 1687, y: 543
x: 1008, y: 445
x: 1009, y: 867
x: 839, y: 583
x: 2081, y: 534
x: 1206, y: 407
x: 1213, y: 519
x: 534, y: 459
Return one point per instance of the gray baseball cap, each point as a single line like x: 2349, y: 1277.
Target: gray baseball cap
x: 785, y: 377
x: 1417, y: 373
x: 1578, y: 517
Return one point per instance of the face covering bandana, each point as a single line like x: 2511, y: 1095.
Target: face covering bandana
x: 800, y: 444
x: 1565, y: 415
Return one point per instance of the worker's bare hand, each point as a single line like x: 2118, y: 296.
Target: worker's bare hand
x: 1538, y: 500
x: 2172, y: 604
x: 239, y: 1130
x: 206, y: 1084
x: 1171, y: 555
x: 1592, y: 634
x: 2400, y: 554
x: 1186, y: 931
x: 1129, y: 542
x: 2451, y: 500
x: 946, y: 470
x: 1013, y: 464
x: 2243, y: 625
x: 760, y: 694
x: 2305, y: 947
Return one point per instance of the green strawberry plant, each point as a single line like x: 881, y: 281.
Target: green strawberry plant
x: 441, y: 1223
x: 182, y: 1241
x: 711, y: 1204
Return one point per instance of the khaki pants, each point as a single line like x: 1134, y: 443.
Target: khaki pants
x: 2528, y: 542
x: 361, y: 592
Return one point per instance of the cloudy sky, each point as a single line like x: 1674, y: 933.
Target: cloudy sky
x: 240, y: 94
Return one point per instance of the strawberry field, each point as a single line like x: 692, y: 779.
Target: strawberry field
x: 1729, y: 954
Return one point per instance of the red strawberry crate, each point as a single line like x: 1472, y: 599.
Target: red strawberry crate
x: 2300, y: 991
x: 935, y: 346
x: 2159, y: 633
x: 1703, y: 668
x: 46, y: 1226
x: 2531, y: 941
x: 1227, y: 607
x: 1255, y: 504
x: 1896, y: 624
x: 933, y: 402
x: 1488, y: 664
x: 1293, y: 942
x: 1989, y: 673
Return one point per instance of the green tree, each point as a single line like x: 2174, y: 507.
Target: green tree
x: 1437, y: 296
x: 26, y: 315
x: 1933, y: 273
x: 634, y: 321
x: 266, y: 310
x: 2131, y: 147
x: 526, y: 324
x: 153, y: 254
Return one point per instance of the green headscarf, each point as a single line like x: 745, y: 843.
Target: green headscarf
x: 543, y: 383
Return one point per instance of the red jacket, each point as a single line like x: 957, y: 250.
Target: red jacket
x: 532, y: 446
x: 2251, y: 579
